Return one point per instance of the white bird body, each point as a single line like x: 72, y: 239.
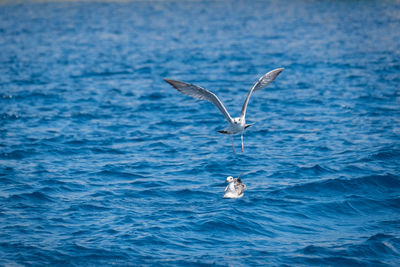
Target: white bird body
x: 235, y: 188
x: 236, y: 125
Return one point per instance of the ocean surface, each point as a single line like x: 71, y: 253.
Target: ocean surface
x: 103, y: 163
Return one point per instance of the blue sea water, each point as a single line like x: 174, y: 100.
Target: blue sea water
x: 103, y: 163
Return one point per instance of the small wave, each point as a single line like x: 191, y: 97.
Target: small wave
x: 4, y: 171
x: 330, y: 261
x: 33, y: 197
x: 104, y: 150
x: 105, y: 73
x: 118, y: 174
x: 87, y: 207
x: 380, y: 245
x: 315, y: 250
x: 35, y: 95
x: 102, y: 194
x: 238, y: 226
x: 304, y: 171
x: 159, y: 145
x: 315, y: 169
x: 18, y: 154
x: 389, y: 154
x: 365, y: 185
x: 147, y: 183
x: 143, y: 193
x: 78, y: 142
x: 169, y: 123
x: 154, y: 96
x: 83, y: 115
x: 78, y: 251
x: 371, y: 252
x: 9, y: 116
x: 183, y: 193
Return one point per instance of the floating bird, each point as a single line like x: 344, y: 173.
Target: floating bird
x: 235, y: 188
x: 236, y: 125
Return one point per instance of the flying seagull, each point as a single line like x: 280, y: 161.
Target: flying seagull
x: 238, y: 124
x: 235, y: 188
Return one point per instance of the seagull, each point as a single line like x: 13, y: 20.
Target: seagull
x: 235, y: 188
x: 236, y: 125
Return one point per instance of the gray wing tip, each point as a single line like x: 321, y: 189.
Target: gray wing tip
x: 271, y: 75
x: 168, y: 80
x: 277, y: 71
x: 173, y: 83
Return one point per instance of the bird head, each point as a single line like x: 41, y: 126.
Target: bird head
x: 229, y: 179
x: 237, y: 120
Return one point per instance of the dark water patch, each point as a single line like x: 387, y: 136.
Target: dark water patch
x: 379, y: 246
x: 102, y: 194
x: 79, y: 142
x: 31, y: 198
x: 333, y: 209
x: 144, y: 193
x: 313, y: 170
x: 83, y: 116
x: 4, y: 171
x: 9, y: 116
x: 6, y: 181
x: 389, y: 154
x: 49, y: 189
x: 148, y: 184
x: 37, y: 96
x: 89, y: 254
x: 73, y: 187
x: 34, y: 254
x: 182, y: 262
x: 153, y: 96
x: 297, y: 229
x: 118, y: 174
x: 297, y: 172
x: 218, y: 225
x: 18, y: 154
x: 368, y: 185
x: 159, y: 145
x: 171, y: 123
x: 332, y: 261
x: 88, y: 208
x: 190, y: 193
x: 106, y: 151
x: 315, y: 250
x: 392, y: 224
x: 53, y: 182
x: 101, y: 74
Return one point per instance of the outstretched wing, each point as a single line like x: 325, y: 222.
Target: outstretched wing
x: 200, y: 93
x: 263, y: 82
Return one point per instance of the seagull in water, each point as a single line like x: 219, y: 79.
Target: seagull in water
x: 236, y: 125
x: 235, y: 188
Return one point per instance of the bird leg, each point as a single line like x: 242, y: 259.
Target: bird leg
x: 242, y: 141
x: 233, y: 145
